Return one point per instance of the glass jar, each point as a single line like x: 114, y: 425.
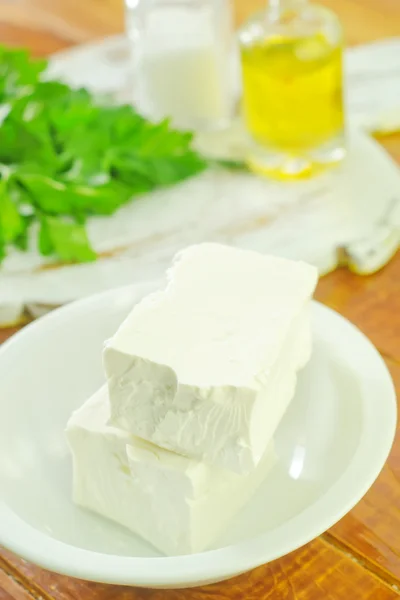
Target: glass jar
x: 291, y: 56
x: 183, y: 54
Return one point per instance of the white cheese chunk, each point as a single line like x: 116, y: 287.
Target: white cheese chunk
x: 206, y: 368
x: 177, y: 504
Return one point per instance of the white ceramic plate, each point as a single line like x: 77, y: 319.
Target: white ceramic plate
x: 331, y: 445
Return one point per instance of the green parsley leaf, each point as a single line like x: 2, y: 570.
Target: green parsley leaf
x: 65, y: 157
x: 11, y: 223
x: 65, y: 238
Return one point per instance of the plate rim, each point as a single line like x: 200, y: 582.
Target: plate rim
x: 215, y: 565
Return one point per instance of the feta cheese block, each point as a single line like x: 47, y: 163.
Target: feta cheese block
x: 177, y: 504
x: 207, y: 367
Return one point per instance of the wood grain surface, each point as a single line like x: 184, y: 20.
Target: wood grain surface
x: 359, y: 559
x: 317, y: 572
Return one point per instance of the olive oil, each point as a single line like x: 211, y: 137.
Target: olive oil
x: 293, y: 90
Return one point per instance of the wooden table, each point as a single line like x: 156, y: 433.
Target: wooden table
x: 359, y: 559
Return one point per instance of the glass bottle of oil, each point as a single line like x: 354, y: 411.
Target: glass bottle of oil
x: 293, y: 88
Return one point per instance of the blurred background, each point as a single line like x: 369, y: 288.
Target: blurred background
x: 349, y: 217
x: 51, y: 25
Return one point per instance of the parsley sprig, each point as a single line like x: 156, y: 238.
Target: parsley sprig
x: 65, y: 157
